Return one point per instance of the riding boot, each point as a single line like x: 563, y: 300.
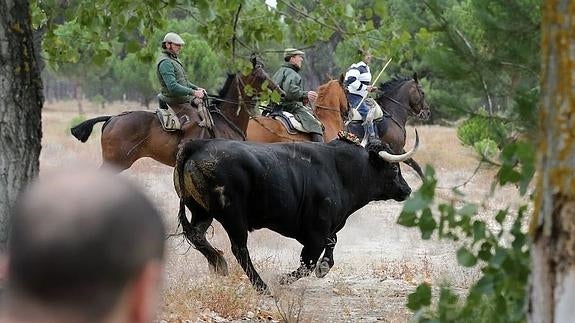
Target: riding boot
x: 316, y: 137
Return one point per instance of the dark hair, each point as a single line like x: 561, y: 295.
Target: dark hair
x: 164, y: 45
x: 80, y: 251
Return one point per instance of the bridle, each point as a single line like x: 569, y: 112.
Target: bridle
x: 240, y: 85
x: 409, y: 108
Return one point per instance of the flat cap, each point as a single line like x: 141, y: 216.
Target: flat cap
x: 288, y: 52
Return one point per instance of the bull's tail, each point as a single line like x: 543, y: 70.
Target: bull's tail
x: 183, y: 220
x: 84, y: 129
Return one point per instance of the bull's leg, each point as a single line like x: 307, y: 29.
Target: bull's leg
x: 308, y: 259
x: 326, y: 262
x: 238, y: 240
x: 197, y: 236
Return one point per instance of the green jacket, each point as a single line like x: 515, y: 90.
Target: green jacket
x: 175, y: 87
x: 288, y: 78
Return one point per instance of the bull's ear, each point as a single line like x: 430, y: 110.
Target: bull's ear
x: 415, y: 77
x: 374, y: 147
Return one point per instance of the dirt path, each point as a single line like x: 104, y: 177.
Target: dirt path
x: 378, y: 262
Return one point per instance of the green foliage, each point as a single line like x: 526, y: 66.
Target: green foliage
x: 478, y: 128
x: 486, y: 147
x: 420, y: 298
x: 500, y: 294
x: 75, y: 121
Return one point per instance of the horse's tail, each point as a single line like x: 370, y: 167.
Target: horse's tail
x: 84, y: 129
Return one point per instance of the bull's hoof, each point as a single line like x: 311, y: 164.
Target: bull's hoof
x: 287, y: 279
x: 322, y: 268
x: 263, y: 289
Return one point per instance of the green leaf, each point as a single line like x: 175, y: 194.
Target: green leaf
x: 427, y: 224
x: 275, y: 97
x: 465, y: 257
x: 101, y: 56
x: 469, y: 209
x: 132, y: 46
x: 132, y: 23
x: 484, y: 285
x: 407, y: 219
x: 498, y: 258
x: 485, y: 251
x: 500, y: 217
x: 421, y: 297
x: 416, y: 202
x: 478, y: 230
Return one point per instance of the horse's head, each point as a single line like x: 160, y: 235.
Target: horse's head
x: 258, y: 79
x: 418, y: 106
x: 406, y: 93
x: 333, y: 96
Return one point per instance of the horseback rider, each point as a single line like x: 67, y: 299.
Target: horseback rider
x: 358, y: 83
x: 176, y: 91
x: 288, y: 79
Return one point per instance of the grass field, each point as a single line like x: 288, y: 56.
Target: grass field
x: 378, y: 262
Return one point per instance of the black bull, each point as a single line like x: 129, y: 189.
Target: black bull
x: 305, y: 191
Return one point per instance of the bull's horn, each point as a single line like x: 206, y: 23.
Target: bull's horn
x: 399, y: 158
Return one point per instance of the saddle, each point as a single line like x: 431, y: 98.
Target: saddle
x: 288, y: 120
x: 168, y: 118
x: 374, y: 109
x: 171, y: 122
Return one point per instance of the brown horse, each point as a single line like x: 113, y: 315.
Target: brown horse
x: 132, y: 135
x: 399, y: 98
x: 331, y: 107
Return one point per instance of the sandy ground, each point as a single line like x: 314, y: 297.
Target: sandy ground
x: 378, y: 262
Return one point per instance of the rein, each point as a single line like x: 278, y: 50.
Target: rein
x: 406, y: 107
x: 326, y: 108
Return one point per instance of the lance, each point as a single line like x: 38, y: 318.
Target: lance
x: 375, y: 81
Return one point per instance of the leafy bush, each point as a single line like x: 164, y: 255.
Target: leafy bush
x: 478, y: 128
x: 76, y: 121
x: 500, y: 293
x: 486, y: 147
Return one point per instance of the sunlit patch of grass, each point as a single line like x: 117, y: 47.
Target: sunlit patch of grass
x: 230, y: 297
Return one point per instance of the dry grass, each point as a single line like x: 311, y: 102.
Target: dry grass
x: 378, y: 263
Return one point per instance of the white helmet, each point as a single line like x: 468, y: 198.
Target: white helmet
x: 173, y: 38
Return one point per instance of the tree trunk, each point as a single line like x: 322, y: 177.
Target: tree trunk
x: 20, y: 107
x: 552, y: 294
x: 79, y: 97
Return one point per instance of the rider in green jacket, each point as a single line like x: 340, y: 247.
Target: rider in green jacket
x: 288, y: 78
x: 176, y: 90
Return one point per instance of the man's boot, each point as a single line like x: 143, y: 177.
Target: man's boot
x: 316, y: 137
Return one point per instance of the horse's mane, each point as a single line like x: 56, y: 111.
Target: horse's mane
x: 392, y: 85
x: 323, y: 89
x: 227, y: 85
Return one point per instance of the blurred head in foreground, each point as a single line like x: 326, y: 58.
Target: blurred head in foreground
x: 84, y: 246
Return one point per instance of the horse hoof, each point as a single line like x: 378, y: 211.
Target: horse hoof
x: 322, y: 269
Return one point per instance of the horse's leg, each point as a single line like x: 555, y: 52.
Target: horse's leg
x: 308, y: 259
x: 238, y: 239
x: 326, y: 262
x: 195, y: 232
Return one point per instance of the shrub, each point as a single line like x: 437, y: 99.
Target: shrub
x: 478, y: 128
x: 75, y: 121
x: 486, y: 147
